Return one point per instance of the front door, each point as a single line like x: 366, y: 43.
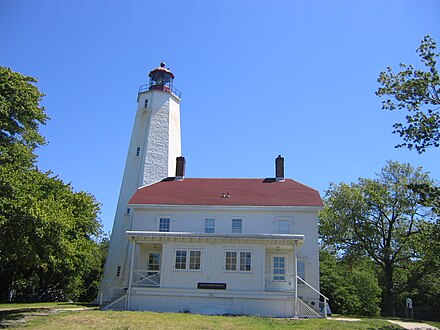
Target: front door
x: 279, y: 267
x: 279, y: 279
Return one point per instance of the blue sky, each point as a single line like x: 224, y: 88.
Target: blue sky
x: 258, y: 79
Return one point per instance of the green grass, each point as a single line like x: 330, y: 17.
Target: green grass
x: 59, y: 316
x: 52, y: 305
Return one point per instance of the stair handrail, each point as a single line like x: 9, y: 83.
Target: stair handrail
x: 101, y: 293
x: 325, y: 298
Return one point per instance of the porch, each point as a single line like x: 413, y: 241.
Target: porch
x: 158, y: 280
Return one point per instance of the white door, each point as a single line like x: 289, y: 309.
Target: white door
x: 279, y: 266
x: 279, y: 279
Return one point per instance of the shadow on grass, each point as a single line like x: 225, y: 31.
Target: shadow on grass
x: 13, y: 316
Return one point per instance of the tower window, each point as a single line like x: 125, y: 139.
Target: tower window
x: 146, y: 103
x: 138, y: 151
x: 118, y: 271
x: 128, y: 210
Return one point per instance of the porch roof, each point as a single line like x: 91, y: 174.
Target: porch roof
x: 275, y: 239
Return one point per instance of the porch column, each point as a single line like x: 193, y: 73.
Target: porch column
x: 295, y: 279
x: 130, y: 274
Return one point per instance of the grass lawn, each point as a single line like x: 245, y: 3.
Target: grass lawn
x: 67, y: 316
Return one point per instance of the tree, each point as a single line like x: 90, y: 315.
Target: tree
x: 20, y: 118
x: 418, y: 92
x: 350, y: 284
x: 48, y: 232
x: 377, y: 218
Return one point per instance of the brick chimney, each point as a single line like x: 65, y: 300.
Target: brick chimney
x: 279, y: 169
x: 180, y: 168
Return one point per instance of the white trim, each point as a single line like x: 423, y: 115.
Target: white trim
x: 226, y: 207
x: 279, y: 239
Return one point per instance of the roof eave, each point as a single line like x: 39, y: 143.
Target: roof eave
x: 310, y: 208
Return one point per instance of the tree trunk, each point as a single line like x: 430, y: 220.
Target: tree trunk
x: 388, y: 294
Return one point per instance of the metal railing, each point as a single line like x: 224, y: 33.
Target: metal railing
x: 165, y: 88
x: 325, y: 298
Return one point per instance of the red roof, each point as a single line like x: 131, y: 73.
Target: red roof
x: 242, y: 192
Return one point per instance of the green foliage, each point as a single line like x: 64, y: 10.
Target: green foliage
x: 378, y: 218
x: 20, y: 117
x: 350, y: 285
x: 47, y: 231
x: 418, y: 92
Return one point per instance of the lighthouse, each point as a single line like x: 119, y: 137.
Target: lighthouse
x: 154, y: 146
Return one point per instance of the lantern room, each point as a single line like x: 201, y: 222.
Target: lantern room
x: 161, y: 79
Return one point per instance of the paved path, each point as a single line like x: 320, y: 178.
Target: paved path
x: 414, y: 325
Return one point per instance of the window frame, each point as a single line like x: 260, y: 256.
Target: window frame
x: 304, y: 270
x: 238, y: 257
x: 165, y: 226
x: 286, y: 230
x: 189, y: 260
x: 206, y: 228
x: 235, y: 230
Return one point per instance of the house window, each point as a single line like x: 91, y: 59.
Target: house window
x: 118, y: 271
x: 231, y: 260
x: 237, y: 226
x: 194, y: 260
x: 245, y: 261
x: 242, y: 258
x: 209, y: 225
x: 283, y: 227
x: 146, y: 103
x: 138, y: 151
x: 164, y: 224
x: 301, y: 270
x: 182, y: 261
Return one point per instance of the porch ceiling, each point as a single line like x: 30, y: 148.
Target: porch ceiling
x: 275, y: 239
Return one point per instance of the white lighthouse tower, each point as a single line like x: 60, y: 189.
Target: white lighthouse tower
x: 154, y: 146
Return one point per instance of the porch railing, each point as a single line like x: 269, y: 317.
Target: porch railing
x: 147, y: 278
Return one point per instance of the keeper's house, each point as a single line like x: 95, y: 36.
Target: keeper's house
x: 209, y: 246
